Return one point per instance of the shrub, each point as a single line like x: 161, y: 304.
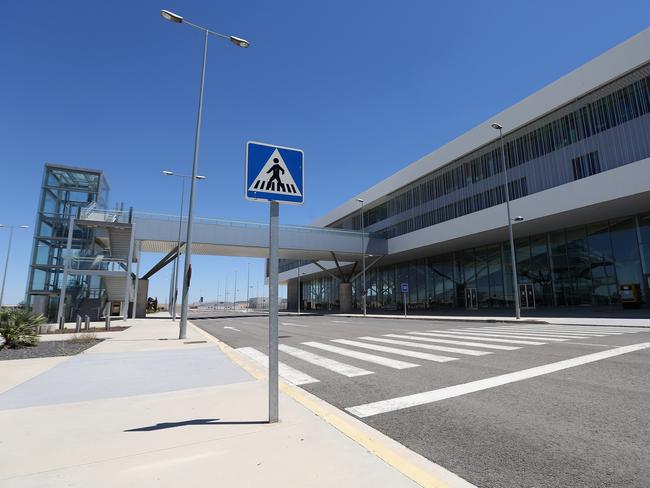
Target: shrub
x: 18, y: 328
x: 84, y: 338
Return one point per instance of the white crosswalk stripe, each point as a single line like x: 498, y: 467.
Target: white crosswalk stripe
x: 539, y: 332
x: 395, y: 350
x: 331, y: 364
x: 431, y: 347
x: 582, y: 330
x: 288, y: 373
x: 371, y: 358
x: 457, y: 343
x: 530, y: 335
x: 499, y: 334
x: 473, y: 337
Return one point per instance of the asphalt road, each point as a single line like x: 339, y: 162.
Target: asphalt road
x: 582, y: 426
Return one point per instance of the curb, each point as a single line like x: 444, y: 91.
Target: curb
x: 450, y: 319
x: 411, y: 464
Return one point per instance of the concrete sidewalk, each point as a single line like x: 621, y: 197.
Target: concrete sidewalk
x: 146, y: 409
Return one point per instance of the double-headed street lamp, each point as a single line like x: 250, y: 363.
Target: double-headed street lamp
x: 237, y: 41
x: 363, y: 259
x: 11, y: 234
x: 174, y: 281
x: 515, y: 285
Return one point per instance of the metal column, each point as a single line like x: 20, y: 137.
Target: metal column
x: 273, y: 310
x: 127, y: 281
x: 66, y: 266
x: 137, y: 281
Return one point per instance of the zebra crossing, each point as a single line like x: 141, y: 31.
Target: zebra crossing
x: 379, y: 350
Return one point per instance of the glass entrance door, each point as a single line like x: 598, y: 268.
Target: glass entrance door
x: 526, y: 296
x: 471, y: 299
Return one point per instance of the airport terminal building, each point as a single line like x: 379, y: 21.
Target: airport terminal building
x: 578, y: 165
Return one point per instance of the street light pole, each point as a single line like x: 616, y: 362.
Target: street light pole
x: 11, y: 235
x: 363, y: 258
x: 515, y: 285
x: 299, y: 294
x: 248, y: 285
x: 175, y: 18
x: 178, y: 244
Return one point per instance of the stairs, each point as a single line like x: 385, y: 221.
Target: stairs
x: 114, y: 286
x: 119, y: 239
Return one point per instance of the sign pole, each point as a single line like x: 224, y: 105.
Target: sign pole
x: 273, y: 310
x: 404, y: 304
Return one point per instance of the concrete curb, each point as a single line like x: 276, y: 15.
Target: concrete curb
x: 412, y: 465
x: 447, y: 319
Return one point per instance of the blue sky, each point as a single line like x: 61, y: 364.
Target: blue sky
x: 363, y: 87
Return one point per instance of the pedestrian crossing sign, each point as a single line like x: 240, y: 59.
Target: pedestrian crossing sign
x: 274, y: 173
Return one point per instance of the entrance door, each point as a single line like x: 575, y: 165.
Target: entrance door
x: 471, y: 299
x: 526, y: 296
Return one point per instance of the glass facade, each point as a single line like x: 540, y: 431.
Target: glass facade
x: 602, y: 130
x: 583, y: 265
x: 64, y: 192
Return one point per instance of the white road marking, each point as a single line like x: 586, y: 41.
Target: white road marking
x: 453, y: 335
x: 589, y: 344
x: 499, y: 334
x: 617, y: 330
x: 531, y: 335
x: 231, y: 328
x: 556, y: 330
x: 331, y: 364
x: 290, y: 374
x: 341, y: 322
x: 457, y: 343
x: 394, y: 350
x: 547, y: 334
x: 293, y: 325
x: 431, y: 347
x: 432, y: 396
x: 371, y: 358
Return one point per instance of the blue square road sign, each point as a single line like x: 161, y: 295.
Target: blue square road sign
x: 274, y: 173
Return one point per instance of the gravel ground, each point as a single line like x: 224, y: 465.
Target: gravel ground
x: 48, y: 349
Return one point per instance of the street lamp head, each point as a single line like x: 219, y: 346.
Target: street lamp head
x: 518, y: 218
x: 496, y: 126
x: 24, y: 226
x: 171, y: 16
x: 238, y: 41
x: 360, y: 200
x: 199, y: 177
x: 168, y: 173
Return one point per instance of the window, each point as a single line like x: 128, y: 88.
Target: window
x: 586, y: 165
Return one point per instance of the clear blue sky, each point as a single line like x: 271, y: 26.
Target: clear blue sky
x: 363, y: 87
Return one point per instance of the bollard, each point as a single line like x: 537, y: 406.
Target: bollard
x: 78, y: 326
x: 87, y: 322
x: 108, y: 322
x: 61, y: 323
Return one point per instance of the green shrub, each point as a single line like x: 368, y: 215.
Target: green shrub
x: 18, y: 328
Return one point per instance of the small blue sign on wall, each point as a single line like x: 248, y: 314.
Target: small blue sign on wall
x: 274, y: 173
x: 405, y: 287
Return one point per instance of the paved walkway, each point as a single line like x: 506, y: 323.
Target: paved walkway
x: 146, y: 409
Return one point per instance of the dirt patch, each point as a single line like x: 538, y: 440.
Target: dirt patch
x: 48, y: 349
x: 85, y: 331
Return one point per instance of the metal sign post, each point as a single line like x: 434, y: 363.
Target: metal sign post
x: 274, y: 174
x: 274, y: 229
x: 405, y: 290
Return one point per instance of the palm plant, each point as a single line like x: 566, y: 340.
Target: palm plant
x: 18, y: 328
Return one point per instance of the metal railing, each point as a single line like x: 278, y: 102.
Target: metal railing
x: 98, y: 263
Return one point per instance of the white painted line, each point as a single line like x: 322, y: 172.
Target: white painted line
x: 394, y: 350
x: 478, y: 338
x: 618, y: 330
x: 457, y: 343
x: 432, y: 396
x: 341, y: 322
x: 371, y: 358
x: 431, y: 347
x: 557, y: 330
x: 293, y: 325
x: 589, y: 344
x: 288, y: 373
x: 499, y: 334
x: 530, y: 335
x: 540, y: 333
x: 231, y: 328
x: 331, y: 364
